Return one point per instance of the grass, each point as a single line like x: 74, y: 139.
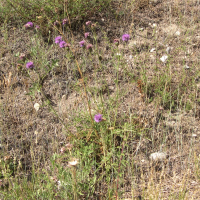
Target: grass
x: 60, y: 150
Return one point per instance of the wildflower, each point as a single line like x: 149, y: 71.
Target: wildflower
x: 58, y: 39
x: 62, y: 150
x: 126, y: 37
x: 69, y: 146
x: 65, y: 21
x: 28, y: 25
x: 67, y: 45
x: 87, y: 34
x: 88, y: 23
x: 82, y: 43
x: 73, y: 162
x: 98, y: 118
x: 56, y: 23
x: 116, y: 41
x: 22, y: 56
x: 37, y: 27
x: 89, y: 46
x: 29, y: 65
x: 62, y: 44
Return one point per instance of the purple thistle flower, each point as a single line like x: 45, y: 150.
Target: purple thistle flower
x: 88, y: 23
x: 62, y: 44
x: 65, y: 21
x: 82, y: 43
x: 116, y: 41
x: 22, y: 56
x: 98, y: 118
x: 29, y: 65
x: 89, y: 46
x: 126, y: 37
x: 56, y: 23
x: 58, y: 39
x: 86, y: 34
x: 29, y: 25
x: 67, y: 45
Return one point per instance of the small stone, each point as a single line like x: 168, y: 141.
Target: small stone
x: 168, y: 49
x: 194, y: 135
x: 36, y: 106
x: 186, y: 67
x: 177, y: 33
x: 152, y: 50
x: 164, y: 58
x: 158, y: 156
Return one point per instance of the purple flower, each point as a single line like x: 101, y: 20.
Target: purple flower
x: 29, y: 65
x: 89, y: 46
x: 98, y: 118
x: 22, y: 56
x: 88, y: 23
x: 29, y: 25
x: 56, y: 23
x: 62, y: 44
x: 65, y: 21
x: 82, y: 43
x: 116, y: 41
x: 67, y: 45
x: 87, y: 34
x: 37, y: 27
x: 126, y: 37
x: 58, y: 39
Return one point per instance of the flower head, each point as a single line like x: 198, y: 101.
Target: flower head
x: 62, y: 44
x: 69, y: 146
x: 88, y: 23
x: 58, y: 39
x: 116, y: 41
x: 89, y: 46
x: 29, y: 65
x: 37, y: 27
x: 82, y: 43
x: 98, y: 118
x: 62, y: 150
x: 65, y: 21
x: 22, y: 56
x: 86, y: 34
x: 56, y: 23
x: 29, y: 25
x: 126, y: 37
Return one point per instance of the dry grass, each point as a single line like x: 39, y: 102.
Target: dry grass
x: 148, y: 106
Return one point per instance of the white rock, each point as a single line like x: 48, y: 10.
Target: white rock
x: 36, y: 106
x: 186, y: 67
x: 164, y: 58
x: 168, y: 49
x: 152, y: 50
x: 158, y: 156
x: 194, y: 135
x: 177, y: 33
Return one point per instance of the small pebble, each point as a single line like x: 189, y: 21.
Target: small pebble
x: 158, y: 156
